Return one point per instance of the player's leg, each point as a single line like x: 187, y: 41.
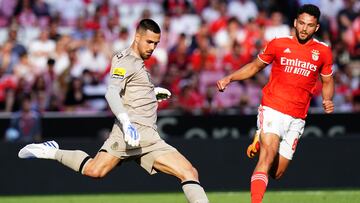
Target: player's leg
x: 100, y: 165
x: 77, y: 160
x: 176, y: 164
x: 81, y: 162
x: 269, y: 144
x: 279, y: 167
x: 287, y: 147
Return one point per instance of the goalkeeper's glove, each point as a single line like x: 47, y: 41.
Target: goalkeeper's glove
x: 131, y: 136
x: 162, y: 94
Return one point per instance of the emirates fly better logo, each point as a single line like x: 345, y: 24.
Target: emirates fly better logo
x: 297, y: 66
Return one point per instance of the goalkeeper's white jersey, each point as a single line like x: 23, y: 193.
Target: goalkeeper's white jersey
x: 137, y: 90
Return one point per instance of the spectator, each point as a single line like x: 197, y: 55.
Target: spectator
x: 18, y: 49
x: 6, y: 12
x: 25, y: 69
x: 233, y: 32
x: 41, y: 49
x: 42, y: 12
x: 69, y: 11
x: 75, y: 97
x: 276, y: 28
x: 7, y: 87
x: 248, y: 10
x: 236, y: 57
x: 60, y: 55
x: 123, y: 40
x: 25, y: 125
x: 7, y: 58
x: 25, y: 14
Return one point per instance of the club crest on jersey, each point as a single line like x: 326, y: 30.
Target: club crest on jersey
x: 118, y: 73
x: 315, y: 54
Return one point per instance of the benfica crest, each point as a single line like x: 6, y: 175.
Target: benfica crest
x: 315, y: 54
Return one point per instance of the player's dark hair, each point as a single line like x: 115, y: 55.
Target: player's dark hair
x: 309, y: 9
x: 148, y: 24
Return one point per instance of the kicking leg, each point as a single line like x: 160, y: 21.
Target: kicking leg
x: 80, y: 161
x: 101, y: 165
x: 75, y: 159
x: 176, y: 164
x: 269, y: 144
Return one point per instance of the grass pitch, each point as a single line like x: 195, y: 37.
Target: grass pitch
x: 317, y: 196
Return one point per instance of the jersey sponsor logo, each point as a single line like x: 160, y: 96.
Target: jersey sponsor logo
x: 315, y: 54
x: 297, y: 66
x: 118, y: 73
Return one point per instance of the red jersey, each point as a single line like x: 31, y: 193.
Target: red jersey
x: 295, y: 71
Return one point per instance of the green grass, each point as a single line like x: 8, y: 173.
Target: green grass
x: 327, y: 196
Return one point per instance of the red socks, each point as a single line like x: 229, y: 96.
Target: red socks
x: 259, y: 181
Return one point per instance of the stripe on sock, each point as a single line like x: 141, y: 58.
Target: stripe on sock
x: 190, y: 182
x: 83, y: 163
x: 261, y: 177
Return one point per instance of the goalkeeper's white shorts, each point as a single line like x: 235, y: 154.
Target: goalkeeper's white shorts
x: 288, y: 128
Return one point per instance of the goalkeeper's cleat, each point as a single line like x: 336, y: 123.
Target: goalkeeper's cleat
x: 254, y: 148
x: 45, y: 150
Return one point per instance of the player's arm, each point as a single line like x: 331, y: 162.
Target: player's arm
x: 118, y: 74
x: 113, y: 98
x: 328, y: 93
x: 117, y: 81
x: 131, y: 136
x: 243, y: 73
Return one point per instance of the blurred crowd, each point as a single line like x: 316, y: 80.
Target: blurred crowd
x: 56, y: 54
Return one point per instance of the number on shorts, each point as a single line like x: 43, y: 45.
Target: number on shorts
x: 295, y: 144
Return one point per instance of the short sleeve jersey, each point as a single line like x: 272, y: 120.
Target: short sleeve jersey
x: 136, y: 88
x: 295, y: 71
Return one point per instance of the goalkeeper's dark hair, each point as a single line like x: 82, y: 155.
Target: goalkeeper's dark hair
x: 148, y: 24
x: 311, y: 10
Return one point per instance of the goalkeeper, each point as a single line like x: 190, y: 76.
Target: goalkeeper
x: 133, y: 99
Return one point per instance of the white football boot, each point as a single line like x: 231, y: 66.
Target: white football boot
x: 44, y: 150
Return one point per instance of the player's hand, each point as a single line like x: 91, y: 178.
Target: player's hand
x: 223, y: 83
x: 328, y: 106
x: 131, y: 136
x: 162, y: 93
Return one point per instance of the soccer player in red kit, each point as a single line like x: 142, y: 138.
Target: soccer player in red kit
x: 297, y: 62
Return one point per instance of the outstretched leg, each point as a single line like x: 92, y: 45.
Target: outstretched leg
x: 176, y: 164
x: 77, y: 160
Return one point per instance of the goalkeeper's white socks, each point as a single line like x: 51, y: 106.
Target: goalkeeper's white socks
x: 194, y: 192
x: 74, y: 159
